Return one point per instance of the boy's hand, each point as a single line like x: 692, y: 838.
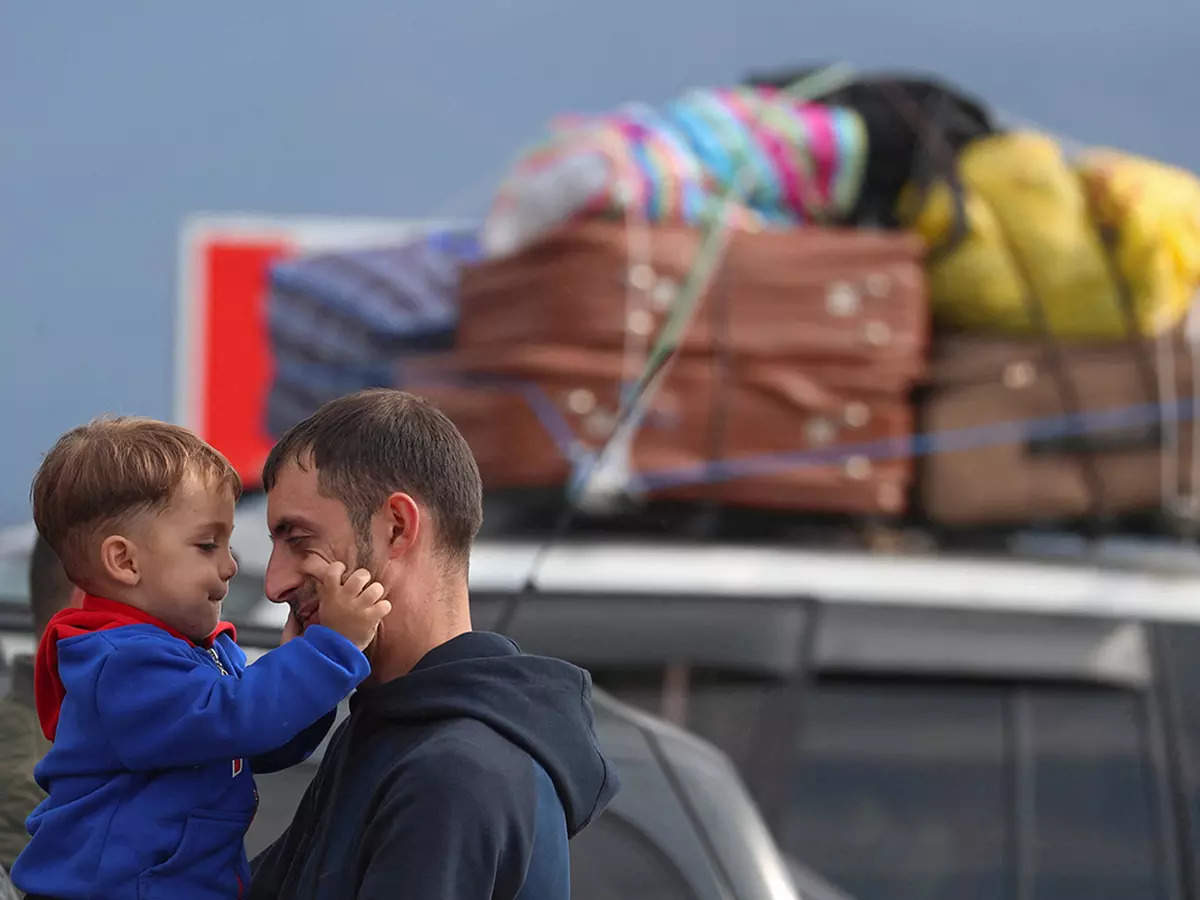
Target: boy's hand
x: 352, y: 605
x: 291, y: 628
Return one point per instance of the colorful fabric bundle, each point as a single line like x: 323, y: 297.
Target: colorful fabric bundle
x: 364, y: 305
x: 795, y: 162
x: 806, y: 160
x: 339, y: 321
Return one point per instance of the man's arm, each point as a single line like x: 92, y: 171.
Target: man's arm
x: 163, y: 709
x: 449, y: 828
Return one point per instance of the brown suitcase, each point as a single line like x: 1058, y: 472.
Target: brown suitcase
x: 814, y: 293
x: 786, y: 435
x: 999, y: 446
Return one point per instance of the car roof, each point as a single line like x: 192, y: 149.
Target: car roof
x: 1115, y: 577
x: 1118, y: 578
x: 777, y: 609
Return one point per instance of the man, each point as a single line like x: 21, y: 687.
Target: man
x: 465, y: 765
x: 21, y: 740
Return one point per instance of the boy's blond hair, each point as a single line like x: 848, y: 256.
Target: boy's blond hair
x: 98, y: 475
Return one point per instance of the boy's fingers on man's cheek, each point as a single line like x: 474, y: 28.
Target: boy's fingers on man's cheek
x: 335, y: 574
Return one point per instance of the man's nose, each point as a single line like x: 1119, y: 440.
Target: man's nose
x: 281, y: 577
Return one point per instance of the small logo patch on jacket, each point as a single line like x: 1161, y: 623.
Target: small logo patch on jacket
x: 238, y: 765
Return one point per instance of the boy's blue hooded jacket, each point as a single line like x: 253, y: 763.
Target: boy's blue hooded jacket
x: 155, y: 738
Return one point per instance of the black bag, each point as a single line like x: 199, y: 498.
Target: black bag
x: 915, y: 128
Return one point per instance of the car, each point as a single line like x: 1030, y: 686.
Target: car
x: 912, y: 725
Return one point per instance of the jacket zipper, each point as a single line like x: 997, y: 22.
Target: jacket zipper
x: 217, y: 659
x: 212, y: 651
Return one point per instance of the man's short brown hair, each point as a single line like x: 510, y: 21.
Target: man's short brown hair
x: 369, y: 445
x: 109, y: 469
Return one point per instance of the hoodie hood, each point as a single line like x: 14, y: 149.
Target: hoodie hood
x: 94, y: 614
x: 542, y: 705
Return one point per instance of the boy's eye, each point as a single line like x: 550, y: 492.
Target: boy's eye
x: 208, y: 547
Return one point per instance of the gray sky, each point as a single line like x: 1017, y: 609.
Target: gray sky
x: 118, y: 119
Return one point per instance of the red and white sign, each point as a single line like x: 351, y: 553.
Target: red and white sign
x: 222, y: 354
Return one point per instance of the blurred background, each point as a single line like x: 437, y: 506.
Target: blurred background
x: 126, y: 119
x: 831, y: 384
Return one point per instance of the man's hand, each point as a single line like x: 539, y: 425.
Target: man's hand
x: 352, y: 605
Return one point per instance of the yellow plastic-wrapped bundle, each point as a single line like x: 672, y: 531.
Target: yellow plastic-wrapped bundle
x: 1029, y: 234
x: 1153, y: 212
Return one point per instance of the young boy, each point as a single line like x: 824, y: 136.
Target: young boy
x: 157, y: 722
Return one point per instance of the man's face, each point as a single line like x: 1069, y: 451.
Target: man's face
x: 302, y: 521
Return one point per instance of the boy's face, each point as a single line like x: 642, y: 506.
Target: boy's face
x: 184, y: 557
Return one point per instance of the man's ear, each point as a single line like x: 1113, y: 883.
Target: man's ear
x: 403, y: 520
x: 118, y: 559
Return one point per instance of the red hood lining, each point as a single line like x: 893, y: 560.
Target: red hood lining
x: 94, y: 614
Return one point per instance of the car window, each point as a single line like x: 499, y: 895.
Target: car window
x: 1179, y: 690
x: 897, y: 791
x: 941, y: 788
x: 1092, y: 797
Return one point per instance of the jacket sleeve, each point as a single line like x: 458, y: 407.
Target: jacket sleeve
x: 295, y: 751
x: 162, y: 708
x: 448, y: 829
